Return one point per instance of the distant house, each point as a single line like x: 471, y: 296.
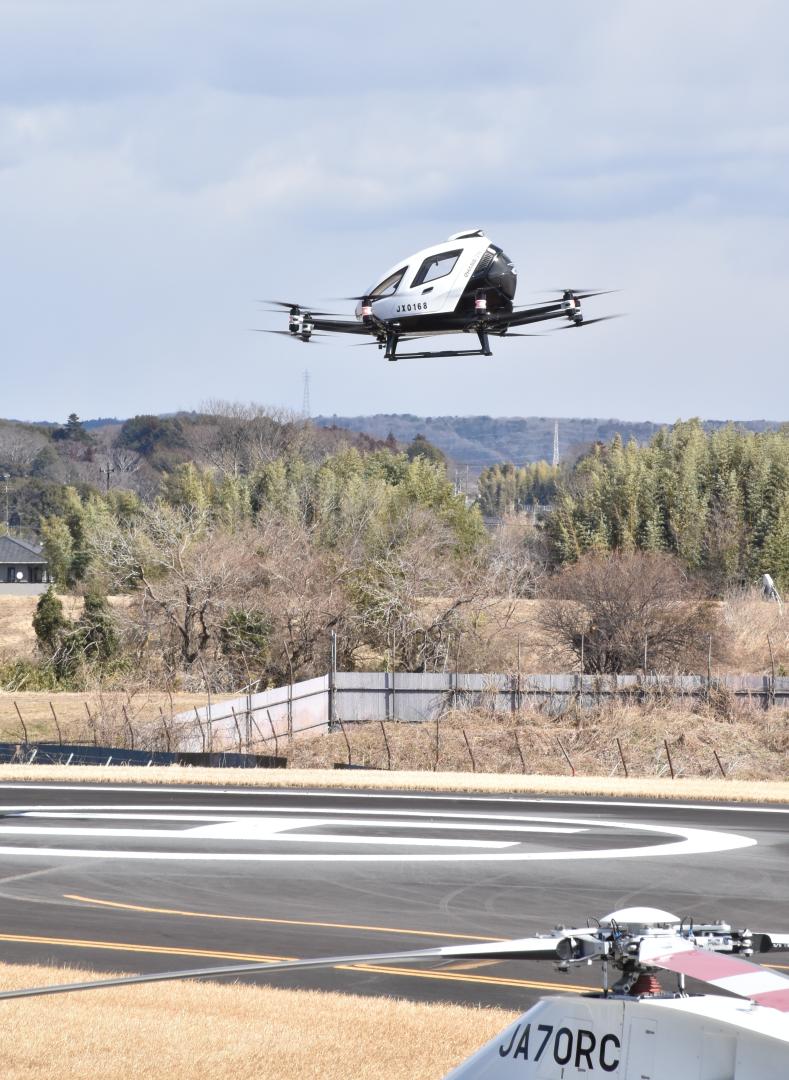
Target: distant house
x: 23, y: 569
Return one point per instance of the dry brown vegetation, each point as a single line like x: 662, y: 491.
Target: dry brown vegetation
x: 186, y: 1030
x: 748, y: 623
x: 499, y: 628
x: 98, y: 717
x: 751, y: 743
x: 702, y: 789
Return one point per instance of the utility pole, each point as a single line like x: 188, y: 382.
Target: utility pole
x: 555, y: 458
x: 106, y: 472
x: 7, y: 518
x: 305, y: 396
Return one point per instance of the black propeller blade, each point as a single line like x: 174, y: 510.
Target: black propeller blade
x: 287, y: 333
x: 581, y: 294
x: 302, y: 307
x: 588, y: 322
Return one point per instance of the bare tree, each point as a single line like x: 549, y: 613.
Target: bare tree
x: 412, y: 597
x: 19, y: 446
x: 185, y: 575
x: 124, y: 461
x: 611, y: 609
x: 236, y: 438
x: 304, y: 591
x: 517, y: 558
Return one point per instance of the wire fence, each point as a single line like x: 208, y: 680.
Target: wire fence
x: 45, y: 753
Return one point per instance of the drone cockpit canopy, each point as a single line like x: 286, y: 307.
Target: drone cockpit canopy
x: 444, y: 279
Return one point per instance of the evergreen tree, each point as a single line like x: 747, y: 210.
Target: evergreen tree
x: 49, y: 622
x: 96, y: 635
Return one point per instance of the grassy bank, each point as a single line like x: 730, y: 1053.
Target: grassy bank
x: 185, y: 1030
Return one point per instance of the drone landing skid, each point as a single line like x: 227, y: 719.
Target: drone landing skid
x: 483, y: 350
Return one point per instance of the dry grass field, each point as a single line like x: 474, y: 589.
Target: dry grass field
x: 16, y: 622
x: 190, y: 1030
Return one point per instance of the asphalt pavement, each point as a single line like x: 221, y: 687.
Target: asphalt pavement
x: 143, y: 879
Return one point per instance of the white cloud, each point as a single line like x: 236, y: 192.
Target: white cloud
x: 161, y: 165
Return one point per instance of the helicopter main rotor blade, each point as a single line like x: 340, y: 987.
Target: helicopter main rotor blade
x: 538, y: 948
x: 726, y: 972
x: 764, y: 942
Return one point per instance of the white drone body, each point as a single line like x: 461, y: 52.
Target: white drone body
x: 634, y: 1030
x: 465, y: 285
x: 432, y: 281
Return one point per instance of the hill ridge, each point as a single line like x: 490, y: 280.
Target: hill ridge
x: 484, y: 440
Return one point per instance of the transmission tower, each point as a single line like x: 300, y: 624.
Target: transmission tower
x: 555, y: 458
x: 305, y: 396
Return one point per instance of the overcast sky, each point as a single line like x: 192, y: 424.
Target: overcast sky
x: 164, y: 165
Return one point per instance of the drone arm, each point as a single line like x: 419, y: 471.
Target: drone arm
x: 524, y: 316
x: 342, y: 326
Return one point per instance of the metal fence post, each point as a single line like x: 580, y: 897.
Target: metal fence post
x: 332, y: 678
x: 709, y: 665
x: 22, y: 722
x: 386, y: 744
x: 518, y: 692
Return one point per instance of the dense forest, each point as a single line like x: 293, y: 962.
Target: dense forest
x: 718, y: 500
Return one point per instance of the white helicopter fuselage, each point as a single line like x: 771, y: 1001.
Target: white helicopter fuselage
x: 706, y: 1037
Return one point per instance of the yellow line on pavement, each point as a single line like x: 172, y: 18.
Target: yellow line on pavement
x: 278, y: 922
x: 123, y: 946
x: 453, y: 976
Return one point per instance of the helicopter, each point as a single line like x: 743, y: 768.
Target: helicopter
x: 631, y: 1030
x: 464, y: 285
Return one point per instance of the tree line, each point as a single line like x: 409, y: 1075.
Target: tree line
x: 718, y: 500
x: 235, y: 564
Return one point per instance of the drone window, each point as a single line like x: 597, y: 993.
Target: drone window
x: 437, y: 266
x: 389, y: 285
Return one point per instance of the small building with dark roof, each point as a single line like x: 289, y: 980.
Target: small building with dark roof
x: 24, y: 570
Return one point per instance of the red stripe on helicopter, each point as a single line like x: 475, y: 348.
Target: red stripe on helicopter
x: 730, y: 973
